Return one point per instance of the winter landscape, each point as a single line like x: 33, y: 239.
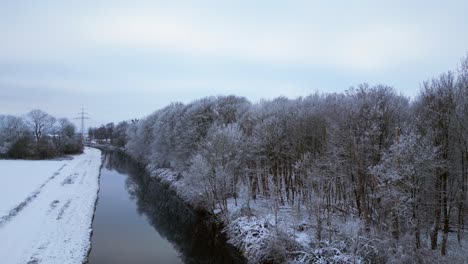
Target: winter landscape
x: 256, y: 132
x: 47, y: 208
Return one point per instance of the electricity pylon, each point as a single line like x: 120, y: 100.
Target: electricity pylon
x: 82, y: 116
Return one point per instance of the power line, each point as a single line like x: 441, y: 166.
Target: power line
x: 82, y: 116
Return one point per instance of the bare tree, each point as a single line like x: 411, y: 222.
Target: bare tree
x: 40, y: 122
x: 436, y: 111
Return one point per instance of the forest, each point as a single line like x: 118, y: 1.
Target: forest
x: 399, y: 165
x: 115, y: 135
x: 38, y: 135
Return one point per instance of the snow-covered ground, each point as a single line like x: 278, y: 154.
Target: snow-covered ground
x: 46, y: 208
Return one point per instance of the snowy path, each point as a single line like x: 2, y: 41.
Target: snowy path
x: 52, y: 222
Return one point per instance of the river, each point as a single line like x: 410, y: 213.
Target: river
x: 140, y: 220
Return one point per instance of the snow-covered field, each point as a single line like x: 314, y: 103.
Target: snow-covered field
x: 46, y: 208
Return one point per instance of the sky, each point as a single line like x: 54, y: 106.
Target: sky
x: 125, y: 59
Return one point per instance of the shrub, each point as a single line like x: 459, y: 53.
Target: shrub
x: 46, y: 149
x: 21, y: 148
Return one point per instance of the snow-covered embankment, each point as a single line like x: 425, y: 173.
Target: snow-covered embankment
x: 46, y: 208
x: 260, y: 237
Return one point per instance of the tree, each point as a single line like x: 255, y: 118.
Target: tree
x: 461, y: 143
x: 66, y: 139
x: 12, y: 130
x: 38, y: 135
x: 120, y: 134
x: 404, y: 173
x: 222, y: 153
x: 398, y: 167
x: 40, y: 123
x: 371, y: 118
x: 436, y: 108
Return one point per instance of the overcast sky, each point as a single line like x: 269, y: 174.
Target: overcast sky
x: 125, y: 59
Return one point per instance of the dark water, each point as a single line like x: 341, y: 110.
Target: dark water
x: 139, y: 220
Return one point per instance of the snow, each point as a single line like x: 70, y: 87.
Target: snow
x: 47, y: 208
x: 173, y: 179
x: 164, y: 174
x: 19, y: 178
x: 250, y: 233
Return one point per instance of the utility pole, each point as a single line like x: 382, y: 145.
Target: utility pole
x: 82, y: 116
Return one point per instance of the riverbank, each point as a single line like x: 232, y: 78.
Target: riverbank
x: 289, y: 234
x: 252, y: 228
x: 46, y: 208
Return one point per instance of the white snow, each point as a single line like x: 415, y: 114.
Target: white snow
x: 46, y: 208
x: 166, y: 175
x: 19, y: 178
x: 251, y: 234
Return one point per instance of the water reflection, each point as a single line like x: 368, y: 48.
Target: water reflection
x: 194, y: 238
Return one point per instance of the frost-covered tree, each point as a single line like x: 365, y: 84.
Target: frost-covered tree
x: 199, y: 176
x: 435, y: 109
x: 37, y: 135
x: 403, y: 174
x: 12, y: 130
x: 461, y: 145
x: 370, y: 119
x: 65, y: 137
x: 222, y: 152
x: 141, y: 135
x: 398, y: 168
x: 166, y: 137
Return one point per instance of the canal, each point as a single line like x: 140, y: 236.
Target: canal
x: 140, y: 220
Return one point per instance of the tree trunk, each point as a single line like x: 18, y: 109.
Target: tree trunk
x: 446, y: 215
x: 435, y: 230
x: 395, y: 226
x: 462, y: 199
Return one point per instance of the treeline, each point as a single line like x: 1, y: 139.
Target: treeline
x: 37, y: 135
x: 115, y: 135
x: 400, y: 165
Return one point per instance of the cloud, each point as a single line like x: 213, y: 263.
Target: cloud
x: 368, y: 48
x: 306, y: 34
x: 381, y: 47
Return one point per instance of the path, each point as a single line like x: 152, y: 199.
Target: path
x: 53, y: 223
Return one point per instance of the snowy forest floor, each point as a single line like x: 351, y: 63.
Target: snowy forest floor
x: 261, y: 236
x: 291, y: 236
x: 46, y: 208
